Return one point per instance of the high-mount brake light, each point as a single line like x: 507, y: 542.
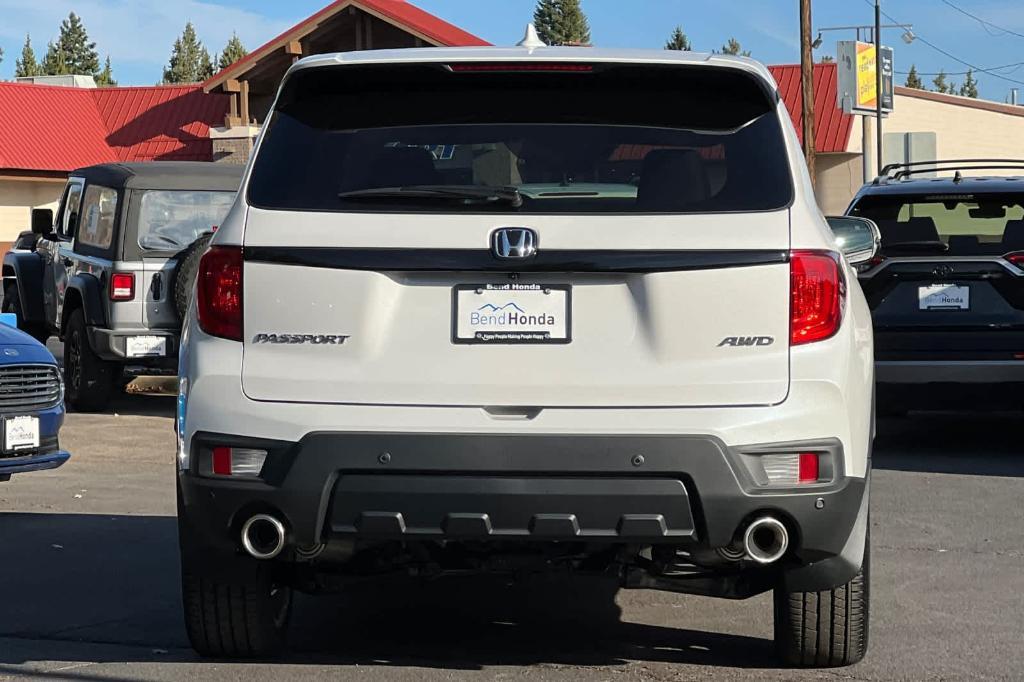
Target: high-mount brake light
x: 219, y: 292
x: 817, y: 296
x: 516, y: 67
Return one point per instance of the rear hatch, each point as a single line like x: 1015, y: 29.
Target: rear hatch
x: 519, y: 235
x: 950, y: 269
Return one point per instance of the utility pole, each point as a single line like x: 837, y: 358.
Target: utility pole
x: 878, y: 86
x: 807, y: 83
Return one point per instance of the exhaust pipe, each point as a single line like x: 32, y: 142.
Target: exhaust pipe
x: 263, y: 536
x: 766, y: 540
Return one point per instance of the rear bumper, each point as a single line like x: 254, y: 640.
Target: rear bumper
x: 949, y: 371
x: 685, y: 490
x: 111, y: 344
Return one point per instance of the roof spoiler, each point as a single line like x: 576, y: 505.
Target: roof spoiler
x: 906, y: 170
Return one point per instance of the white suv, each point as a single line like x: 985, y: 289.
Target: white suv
x: 512, y: 309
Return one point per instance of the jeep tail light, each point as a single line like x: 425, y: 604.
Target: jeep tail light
x: 122, y: 286
x: 792, y: 468
x: 239, y: 462
x: 817, y: 296
x: 219, y: 292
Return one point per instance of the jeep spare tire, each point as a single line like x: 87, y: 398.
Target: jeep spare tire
x: 185, y: 275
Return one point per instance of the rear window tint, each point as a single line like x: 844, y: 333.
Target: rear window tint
x: 615, y: 140
x: 170, y: 220
x: 988, y: 224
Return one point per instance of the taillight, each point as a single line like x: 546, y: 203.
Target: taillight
x: 238, y: 462
x: 870, y: 264
x: 817, y: 296
x: 1017, y: 258
x: 792, y: 468
x: 122, y: 286
x: 219, y: 292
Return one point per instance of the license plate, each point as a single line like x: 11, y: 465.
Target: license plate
x: 512, y: 313
x: 21, y: 433
x: 145, y: 346
x: 944, y: 297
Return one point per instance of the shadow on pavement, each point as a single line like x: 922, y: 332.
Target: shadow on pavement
x: 114, y: 580
x: 978, y: 443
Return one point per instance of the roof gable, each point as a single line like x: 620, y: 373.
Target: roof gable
x: 831, y: 126
x: 430, y: 28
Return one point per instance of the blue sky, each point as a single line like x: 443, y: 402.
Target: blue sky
x: 138, y: 33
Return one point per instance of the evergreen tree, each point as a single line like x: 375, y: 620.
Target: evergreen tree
x: 190, y: 62
x: 940, y: 82
x: 80, y: 55
x: 913, y: 80
x: 233, y: 51
x: 678, y: 41
x: 561, y: 22
x: 105, y: 79
x: 827, y: 59
x: 970, y: 86
x: 733, y: 47
x: 54, y: 62
x: 27, y: 65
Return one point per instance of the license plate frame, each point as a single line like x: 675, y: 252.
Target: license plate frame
x: 499, y: 297
x: 145, y: 346
x: 944, y: 297
x: 25, y: 428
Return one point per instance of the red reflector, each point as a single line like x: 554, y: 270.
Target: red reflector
x: 808, y: 467
x: 219, y: 292
x: 1017, y: 258
x: 817, y: 295
x: 122, y: 286
x: 222, y: 461
x: 514, y: 67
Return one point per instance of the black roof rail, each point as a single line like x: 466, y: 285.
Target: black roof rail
x: 905, y: 170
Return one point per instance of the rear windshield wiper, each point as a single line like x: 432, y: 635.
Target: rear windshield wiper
x: 459, y: 193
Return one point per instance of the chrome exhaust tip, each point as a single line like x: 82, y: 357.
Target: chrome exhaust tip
x: 766, y: 540
x: 263, y: 536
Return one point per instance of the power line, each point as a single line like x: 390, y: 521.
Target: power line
x: 1013, y: 68
x: 985, y: 24
x: 940, y: 50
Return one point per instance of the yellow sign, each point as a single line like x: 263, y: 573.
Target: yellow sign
x: 867, y: 88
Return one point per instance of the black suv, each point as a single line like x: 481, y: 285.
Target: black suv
x: 946, y: 289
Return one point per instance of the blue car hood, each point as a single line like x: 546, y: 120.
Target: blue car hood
x: 17, y: 347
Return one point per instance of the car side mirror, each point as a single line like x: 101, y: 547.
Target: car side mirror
x: 42, y: 221
x: 858, y: 238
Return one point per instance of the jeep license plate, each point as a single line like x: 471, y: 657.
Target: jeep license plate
x: 512, y: 313
x: 21, y: 433
x: 146, y: 346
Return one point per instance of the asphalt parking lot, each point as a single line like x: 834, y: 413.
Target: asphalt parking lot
x: 89, y: 583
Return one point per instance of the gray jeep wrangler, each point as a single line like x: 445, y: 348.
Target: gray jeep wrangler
x: 112, y: 275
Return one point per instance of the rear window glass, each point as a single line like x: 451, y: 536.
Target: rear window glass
x: 171, y: 220
x: 620, y: 139
x: 957, y: 224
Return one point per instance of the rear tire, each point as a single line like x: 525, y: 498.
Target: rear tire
x: 231, y: 614
x: 186, y: 272
x: 12, y: 304
x: 88, y: 379
x: 824, y: 629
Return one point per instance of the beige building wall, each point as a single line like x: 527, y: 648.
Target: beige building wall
x: 838, y: 177
x: 17, y: 199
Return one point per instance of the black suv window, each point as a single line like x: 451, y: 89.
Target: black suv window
x: 988, y: 224
x: 597, y: 140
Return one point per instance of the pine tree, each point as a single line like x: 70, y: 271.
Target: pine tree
x: 940, y: 82
x: 190, y: 62
x: 827, y: 59
x: 678, y: 41
x: 561, y: 22
x: 970, y: 86
x: 233, y: 51
x: 54, y: 62
x: 913, y: 80
x: 80, y: 55
x: 733, y: 47
x: 27, y: 65
x: 105, y: 79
